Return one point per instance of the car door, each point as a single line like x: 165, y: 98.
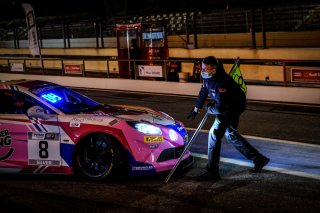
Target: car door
x: 27, y: 144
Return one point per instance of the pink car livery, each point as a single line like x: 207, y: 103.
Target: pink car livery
x: 48, y: 128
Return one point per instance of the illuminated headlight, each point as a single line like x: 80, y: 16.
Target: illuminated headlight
x: 146, y: 128
x: 173, y: 135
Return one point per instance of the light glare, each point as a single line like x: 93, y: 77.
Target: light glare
x: 148, y: 129
x: 173, y: 135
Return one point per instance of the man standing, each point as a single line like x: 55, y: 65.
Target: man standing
x: 228, y: 103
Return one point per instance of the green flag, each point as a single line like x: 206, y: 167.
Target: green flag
x: 235, y: 73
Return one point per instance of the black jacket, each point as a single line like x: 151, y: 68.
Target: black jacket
x: 224, y: 92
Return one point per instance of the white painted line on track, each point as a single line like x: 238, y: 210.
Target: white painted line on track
x: 268, y: 139
x: 282, y: 141
x: 269, y: 168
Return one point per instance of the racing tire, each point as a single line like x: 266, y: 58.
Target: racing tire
x: 98, y: 157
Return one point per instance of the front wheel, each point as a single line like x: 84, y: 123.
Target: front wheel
x: 97, y: 157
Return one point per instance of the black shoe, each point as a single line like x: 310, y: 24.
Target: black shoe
x: 208, y: 176
x: 259, y: 163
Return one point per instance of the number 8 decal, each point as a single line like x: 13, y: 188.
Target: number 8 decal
x: 43, y: 149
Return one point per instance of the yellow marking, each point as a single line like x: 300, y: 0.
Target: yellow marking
x: 153, y: 139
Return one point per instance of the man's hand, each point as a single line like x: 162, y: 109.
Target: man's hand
x: 209, y: 105
x: 211, y: 108
x: 193, y: 113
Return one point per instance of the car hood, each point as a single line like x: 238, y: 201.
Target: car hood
x: 136, y: 113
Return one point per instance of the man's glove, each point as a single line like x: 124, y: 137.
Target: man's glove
x: 211, y: 108
x: 209, y: 105
x: 193, y: 113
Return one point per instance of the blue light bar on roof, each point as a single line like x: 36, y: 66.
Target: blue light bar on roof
x: 53, y: 98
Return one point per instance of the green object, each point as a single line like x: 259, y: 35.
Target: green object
x: 235, y: 73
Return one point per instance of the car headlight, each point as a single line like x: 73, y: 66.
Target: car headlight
x: 173, y: 135
x: 146, y: 128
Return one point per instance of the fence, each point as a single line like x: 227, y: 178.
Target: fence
x: 302, y: 73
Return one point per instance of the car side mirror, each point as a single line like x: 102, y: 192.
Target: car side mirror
x: 37, y: 112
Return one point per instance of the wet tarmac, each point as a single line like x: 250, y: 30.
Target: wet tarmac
x: 288, y: 134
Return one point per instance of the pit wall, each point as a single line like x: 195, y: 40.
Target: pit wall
x: 250, y: 72
x: 294, y: 95
x: 227, y: 46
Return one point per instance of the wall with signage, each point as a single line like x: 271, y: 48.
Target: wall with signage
x: 305, y: 75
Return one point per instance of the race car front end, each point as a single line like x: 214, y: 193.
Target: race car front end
x: 155, y: 148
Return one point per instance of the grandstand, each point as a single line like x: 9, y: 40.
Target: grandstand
x: 275, y: 18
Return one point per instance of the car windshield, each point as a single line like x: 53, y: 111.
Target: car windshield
x: 66, y: 100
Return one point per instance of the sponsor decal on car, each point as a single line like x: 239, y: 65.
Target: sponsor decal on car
x: 153, y: 139
x: 38, y: 135
x: 139, y: 168
x: 51, y: 136
x: 44, y: 148
x: 76, y: 121
x: 74, y: 124
x: 5, y: 140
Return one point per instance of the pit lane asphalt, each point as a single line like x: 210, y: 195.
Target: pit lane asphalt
x: 288, y: 134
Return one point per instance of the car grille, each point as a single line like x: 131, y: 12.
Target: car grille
x: 171, y: 153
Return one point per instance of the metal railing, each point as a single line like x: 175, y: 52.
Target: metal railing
x: 108, y: 67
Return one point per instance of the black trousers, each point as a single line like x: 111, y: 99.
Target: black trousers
x: 227, y: 125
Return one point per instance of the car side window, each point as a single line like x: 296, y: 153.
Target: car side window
x: 15, y: 102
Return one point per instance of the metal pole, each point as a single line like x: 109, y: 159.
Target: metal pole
x: 263, y: 28
x: 195, y: 32
x: 235, y: 63
x: 188, y: 146
x: 129, y: 56
x: 253, y: 29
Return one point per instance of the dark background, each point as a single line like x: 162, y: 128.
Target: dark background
x: 12, y: 9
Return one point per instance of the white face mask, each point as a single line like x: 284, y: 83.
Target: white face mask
x: 206, y: 75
